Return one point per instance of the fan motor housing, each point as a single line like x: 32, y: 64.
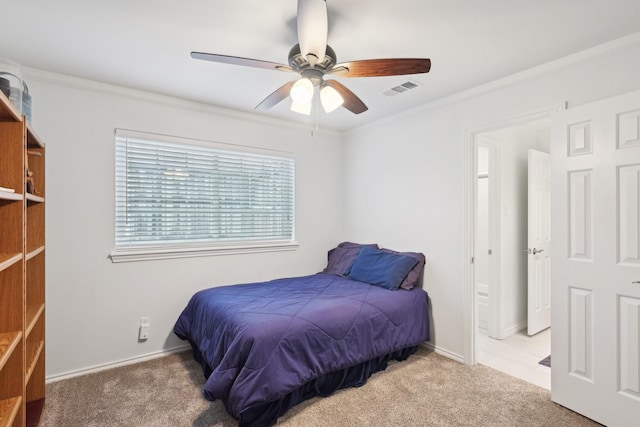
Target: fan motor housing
x: 301, y: 64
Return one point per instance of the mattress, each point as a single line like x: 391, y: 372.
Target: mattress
x: 259, y: 343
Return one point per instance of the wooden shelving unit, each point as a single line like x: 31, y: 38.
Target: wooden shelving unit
x: 9, y: 410
x: 22, y: 270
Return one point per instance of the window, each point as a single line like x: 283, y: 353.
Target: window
x: 179, y: 197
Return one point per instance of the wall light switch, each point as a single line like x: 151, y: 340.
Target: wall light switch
x: 145, y: 323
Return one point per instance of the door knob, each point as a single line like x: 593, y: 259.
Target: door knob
x: 637, y: 282
x: 537, y: 251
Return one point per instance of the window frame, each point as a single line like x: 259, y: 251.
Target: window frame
x: 168, y: 250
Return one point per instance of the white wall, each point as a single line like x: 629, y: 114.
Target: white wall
x: 93, y: 305
x: 406, y: 175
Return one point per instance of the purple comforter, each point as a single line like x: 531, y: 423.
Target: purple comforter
x: 263, y: 340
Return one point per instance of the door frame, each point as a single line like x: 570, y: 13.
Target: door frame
x: 470, y: 315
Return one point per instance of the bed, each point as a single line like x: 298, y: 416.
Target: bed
x: 265, y: 347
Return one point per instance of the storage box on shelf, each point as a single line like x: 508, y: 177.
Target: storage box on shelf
x: 22, y: 270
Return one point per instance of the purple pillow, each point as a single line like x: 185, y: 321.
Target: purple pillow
x: 414, y: 275
x: 341, y: 257
x: 386, y: 269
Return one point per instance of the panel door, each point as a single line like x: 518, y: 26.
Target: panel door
x: 539, y: 242
x: 595, y: 258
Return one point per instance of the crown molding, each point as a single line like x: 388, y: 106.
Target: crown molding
x: 592, y: 54
x: 156, y: 98
x: 614, y: 47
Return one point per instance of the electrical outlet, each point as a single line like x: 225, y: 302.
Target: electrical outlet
x: 143, y: 333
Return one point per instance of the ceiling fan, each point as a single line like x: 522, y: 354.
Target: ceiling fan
x: 312, y: 58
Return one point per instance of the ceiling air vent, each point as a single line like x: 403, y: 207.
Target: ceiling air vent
x: 401, y: 88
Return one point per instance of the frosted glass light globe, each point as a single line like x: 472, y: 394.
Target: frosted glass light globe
x: 302, y: 91
x: 301, y: 108
x: 330, y: 99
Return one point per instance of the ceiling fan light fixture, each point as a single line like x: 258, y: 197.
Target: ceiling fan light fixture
x: 301, y: 107
x: 313, y: 58
x: 330, y: 99
x: 302, y: 91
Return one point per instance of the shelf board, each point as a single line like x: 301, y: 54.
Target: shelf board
x: 33, y: 198
x: 33, y: 354
x: 6, y: 195
x: 8, y: 111
x: 33, y: 140
x: 9, y: 408
x: 32, y: 316
x: 7, y: 260
x: 35, y: 252
x: 8, y: 342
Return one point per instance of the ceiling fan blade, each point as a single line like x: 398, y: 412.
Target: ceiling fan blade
x: 382, y: 67
x: 236, y: 60
x: 312, y: 29
x: 351, y: 100
x: 278, y: 95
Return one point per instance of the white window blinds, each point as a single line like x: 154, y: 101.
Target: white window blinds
x: 170, y: 192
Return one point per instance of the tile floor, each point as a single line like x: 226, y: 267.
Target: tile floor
x: 518, y: 355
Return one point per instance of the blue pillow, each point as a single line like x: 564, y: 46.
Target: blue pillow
x: 383, y: 269
x: 341, y: 257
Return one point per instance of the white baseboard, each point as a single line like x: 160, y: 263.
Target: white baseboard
x: 116, y: 364
x: 166, y: 352
x: 446, y: 353
x: 514, y: 329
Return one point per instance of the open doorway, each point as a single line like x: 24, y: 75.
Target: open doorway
x: 502, y: 251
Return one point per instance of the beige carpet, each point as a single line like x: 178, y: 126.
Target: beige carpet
x: 425, y: 390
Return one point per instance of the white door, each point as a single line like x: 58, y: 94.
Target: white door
x: 482, y: 242
x: 488, y: 237
x: 595, y: 255
x: 539, y: 242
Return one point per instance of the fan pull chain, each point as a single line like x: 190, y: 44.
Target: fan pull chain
x: 316, y: 113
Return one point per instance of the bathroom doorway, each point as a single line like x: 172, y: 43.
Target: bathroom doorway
x: 501, y: 252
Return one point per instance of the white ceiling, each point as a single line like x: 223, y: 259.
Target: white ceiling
x: 145, y: 44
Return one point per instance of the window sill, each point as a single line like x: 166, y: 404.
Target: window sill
x: 155, y: 253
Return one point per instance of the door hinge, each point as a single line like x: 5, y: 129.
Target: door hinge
x: 472, y: 258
